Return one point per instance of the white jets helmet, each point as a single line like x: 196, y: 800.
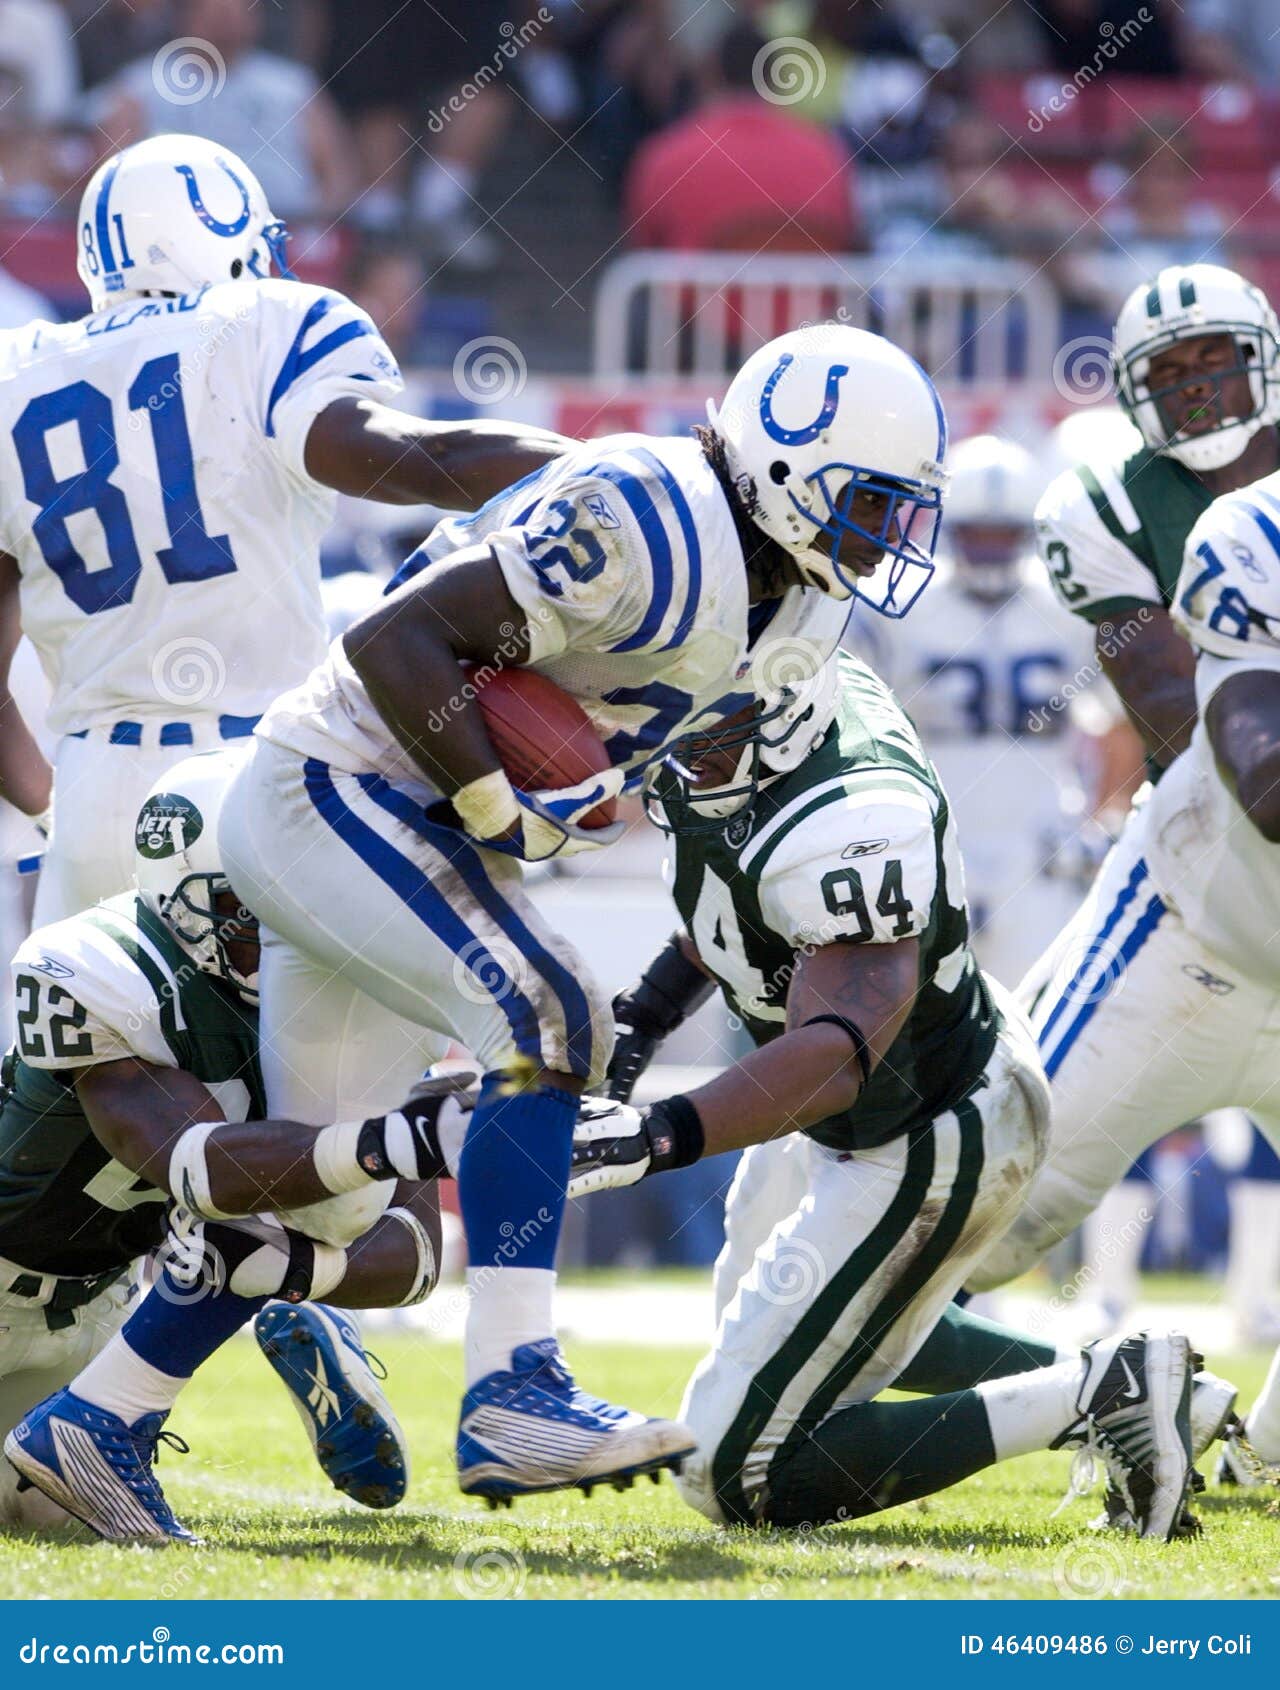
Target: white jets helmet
x: 991, y: 501
x: 791, y: 694
x: 819, y: 415
x: 178, y: 868
x: 171, y: 215
x: 1182, y: 303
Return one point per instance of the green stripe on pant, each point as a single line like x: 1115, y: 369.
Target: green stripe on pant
x: 770, y: 1382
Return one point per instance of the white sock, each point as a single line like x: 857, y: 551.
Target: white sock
x: 509, y: 1306
x: 1262, y: 1426
x: 122, y: 1383
x: 1112, y: 1241
x: 1028, y: 1411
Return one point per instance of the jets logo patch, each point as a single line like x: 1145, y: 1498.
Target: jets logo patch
x: 738, y: 832
x: 864, y: 848
x: 169, y: 825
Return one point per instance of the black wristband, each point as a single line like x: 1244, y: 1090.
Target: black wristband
x: 675, y: 1134
x: 855, y: 1033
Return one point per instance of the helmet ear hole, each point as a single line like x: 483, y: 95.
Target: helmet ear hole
x: 779, y: 472
x: 237, y: 269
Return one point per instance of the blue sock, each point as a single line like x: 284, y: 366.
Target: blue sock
x: 513, y: 1174
x: 174, y: 1331
x: 175, y: 1327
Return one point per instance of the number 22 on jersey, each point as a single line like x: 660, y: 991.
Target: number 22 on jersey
x: 193, y: 554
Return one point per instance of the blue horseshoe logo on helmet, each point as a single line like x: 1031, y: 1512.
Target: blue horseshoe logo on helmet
x: 202, y: 212
x: 800, y: 436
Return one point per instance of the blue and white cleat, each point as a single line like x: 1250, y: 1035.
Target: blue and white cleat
x: 533, y: 1430
x: 91, y: 1463
x: 317, y: 1352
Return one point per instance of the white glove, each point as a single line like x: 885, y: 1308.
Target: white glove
x: 550, y: 821
x: 611, y: 1147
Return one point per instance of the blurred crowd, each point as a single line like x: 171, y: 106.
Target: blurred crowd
x: 1097, y: 139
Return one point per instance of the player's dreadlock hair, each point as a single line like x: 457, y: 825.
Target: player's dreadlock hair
x: 765, y: 558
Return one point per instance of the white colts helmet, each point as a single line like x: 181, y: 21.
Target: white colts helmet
x: 170, y: 215
x: 815, y: 416
x: 177, y: 864
x: 991, y: 501
x: 1182, y: 303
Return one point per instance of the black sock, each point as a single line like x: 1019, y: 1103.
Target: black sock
x: 964, y: 1349
x: 877, y: 1455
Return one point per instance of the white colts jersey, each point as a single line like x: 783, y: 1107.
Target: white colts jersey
x: 153, y: 492
x: 988, y: 685
x: 623, y: 557
x: 1206, y: 857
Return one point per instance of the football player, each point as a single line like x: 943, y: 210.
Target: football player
x: 377, y: 837
x: 896, y: 1112
x: 1190, y: 954
x: 135, y: 1080
x: 1197, y: 374
x: 987, y: 668
x: 168, y: 465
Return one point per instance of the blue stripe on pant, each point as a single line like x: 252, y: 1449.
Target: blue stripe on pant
x: 421, y: 898
x: 466, y: 860
x: 1141, y: 931
x: 1127, y: 894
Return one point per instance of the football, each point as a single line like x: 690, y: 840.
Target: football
x: 543, y: 737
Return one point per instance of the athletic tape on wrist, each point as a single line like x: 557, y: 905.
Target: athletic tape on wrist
x: 424, y: 1281
x: 189, y: 1172
x: 487, y: 807
x: 334, y: 1156
x: 328, y: 1271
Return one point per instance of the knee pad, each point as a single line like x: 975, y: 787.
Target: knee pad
x: 428, y: 1272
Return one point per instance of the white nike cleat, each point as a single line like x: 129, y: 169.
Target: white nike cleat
x: 1134, y: 1410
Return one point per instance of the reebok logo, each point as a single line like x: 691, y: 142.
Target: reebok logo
x: 864, y: 848
x: 322, y: 1399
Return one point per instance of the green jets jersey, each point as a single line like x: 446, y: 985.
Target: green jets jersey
x: 855, y: 845
x: 108, y: 984
x: 1112, y: 534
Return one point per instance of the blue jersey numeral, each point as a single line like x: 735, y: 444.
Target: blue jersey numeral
x: 1022, y: 704
x: 193, y: 553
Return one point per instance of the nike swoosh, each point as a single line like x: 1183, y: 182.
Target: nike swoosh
x: 1135, y: 1389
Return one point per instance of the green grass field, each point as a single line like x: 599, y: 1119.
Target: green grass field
x: 273, y: 1528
